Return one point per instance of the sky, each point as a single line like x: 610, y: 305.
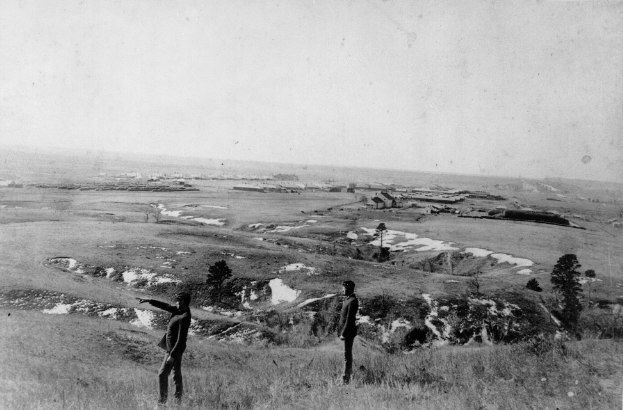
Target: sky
x: 526, y: 88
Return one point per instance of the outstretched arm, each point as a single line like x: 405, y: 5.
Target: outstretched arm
x: 158, y: 304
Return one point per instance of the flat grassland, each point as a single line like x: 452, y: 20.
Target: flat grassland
x: 79, y: 361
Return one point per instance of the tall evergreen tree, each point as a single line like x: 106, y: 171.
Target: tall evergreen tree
x: 217, y: 275
x: 565, y: 281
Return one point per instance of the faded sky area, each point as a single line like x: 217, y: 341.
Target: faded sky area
x: 526, y: 88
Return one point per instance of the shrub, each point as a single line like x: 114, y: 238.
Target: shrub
x: 533, y: 284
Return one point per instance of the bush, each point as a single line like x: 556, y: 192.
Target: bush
x: 600, y: 324
x: 533, y: 284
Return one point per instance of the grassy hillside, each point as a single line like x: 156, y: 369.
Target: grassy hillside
x: 78, y: 254
x: 72, y: 362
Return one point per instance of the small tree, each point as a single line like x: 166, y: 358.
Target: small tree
x: 565, y: 280
x: 533, y: 284
x: 156, y: 211
x: 590, y: 277
x: 217, y: 275
x: 379, y: 232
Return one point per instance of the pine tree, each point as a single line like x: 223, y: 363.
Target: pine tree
x: 379, y: 232
x: 217, y: 275
x: 565, y: 281
x: 384, y: 252
x: 534, y: 285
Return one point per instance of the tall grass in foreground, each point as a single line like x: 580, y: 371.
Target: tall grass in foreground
x: 523, y: 376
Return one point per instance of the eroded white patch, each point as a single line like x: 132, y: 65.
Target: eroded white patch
x: 441, y: 338
x: 177, y: 214
x: 192, y: 329
x: 112, y: 313
x: 478, y: 252
x: 504, y: 258
x: 59, y: 309
x: 281, y: 292
x: 402, y: 241
x: 584, y: 280
x: 133, y: 275
x: 216, y: 222
x: 363, y: 319
x: 70, y: 263
x: 298, y: 267
x: 144, y: 318
x: 400, y: 323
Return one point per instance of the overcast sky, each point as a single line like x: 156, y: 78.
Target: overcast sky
x: 530, y: 88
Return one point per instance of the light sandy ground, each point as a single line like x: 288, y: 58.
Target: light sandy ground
x: 281, y: 292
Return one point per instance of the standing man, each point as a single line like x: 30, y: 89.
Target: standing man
x: 174, y: 342
x: 348, y: 327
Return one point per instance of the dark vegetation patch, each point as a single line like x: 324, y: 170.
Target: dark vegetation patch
x: 455, y: 263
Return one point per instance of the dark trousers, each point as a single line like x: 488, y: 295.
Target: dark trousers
x: 348, y: 358
x: 163, y: 377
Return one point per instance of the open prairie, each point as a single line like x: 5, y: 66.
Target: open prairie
x: 74, y: 260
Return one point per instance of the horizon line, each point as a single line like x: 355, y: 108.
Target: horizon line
x: 68, y: 152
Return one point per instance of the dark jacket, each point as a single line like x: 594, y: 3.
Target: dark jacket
x: 348, y: 327
x: 177, y: 328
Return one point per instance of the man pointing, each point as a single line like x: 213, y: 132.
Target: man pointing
x: 174, y: 342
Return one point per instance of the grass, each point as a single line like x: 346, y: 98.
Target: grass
x: 78, y: 367
x: 75, y: 362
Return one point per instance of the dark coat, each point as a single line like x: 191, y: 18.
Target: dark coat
x: 174, y: 341
x: 348, y: 316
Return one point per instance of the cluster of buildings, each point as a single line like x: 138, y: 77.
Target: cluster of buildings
x: 294, y: 187
x: 384, y: 199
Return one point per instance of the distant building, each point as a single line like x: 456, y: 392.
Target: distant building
x: 293, y: 187
x: 388, y: 199
x: 378, y: 203
x: 252, y: 188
